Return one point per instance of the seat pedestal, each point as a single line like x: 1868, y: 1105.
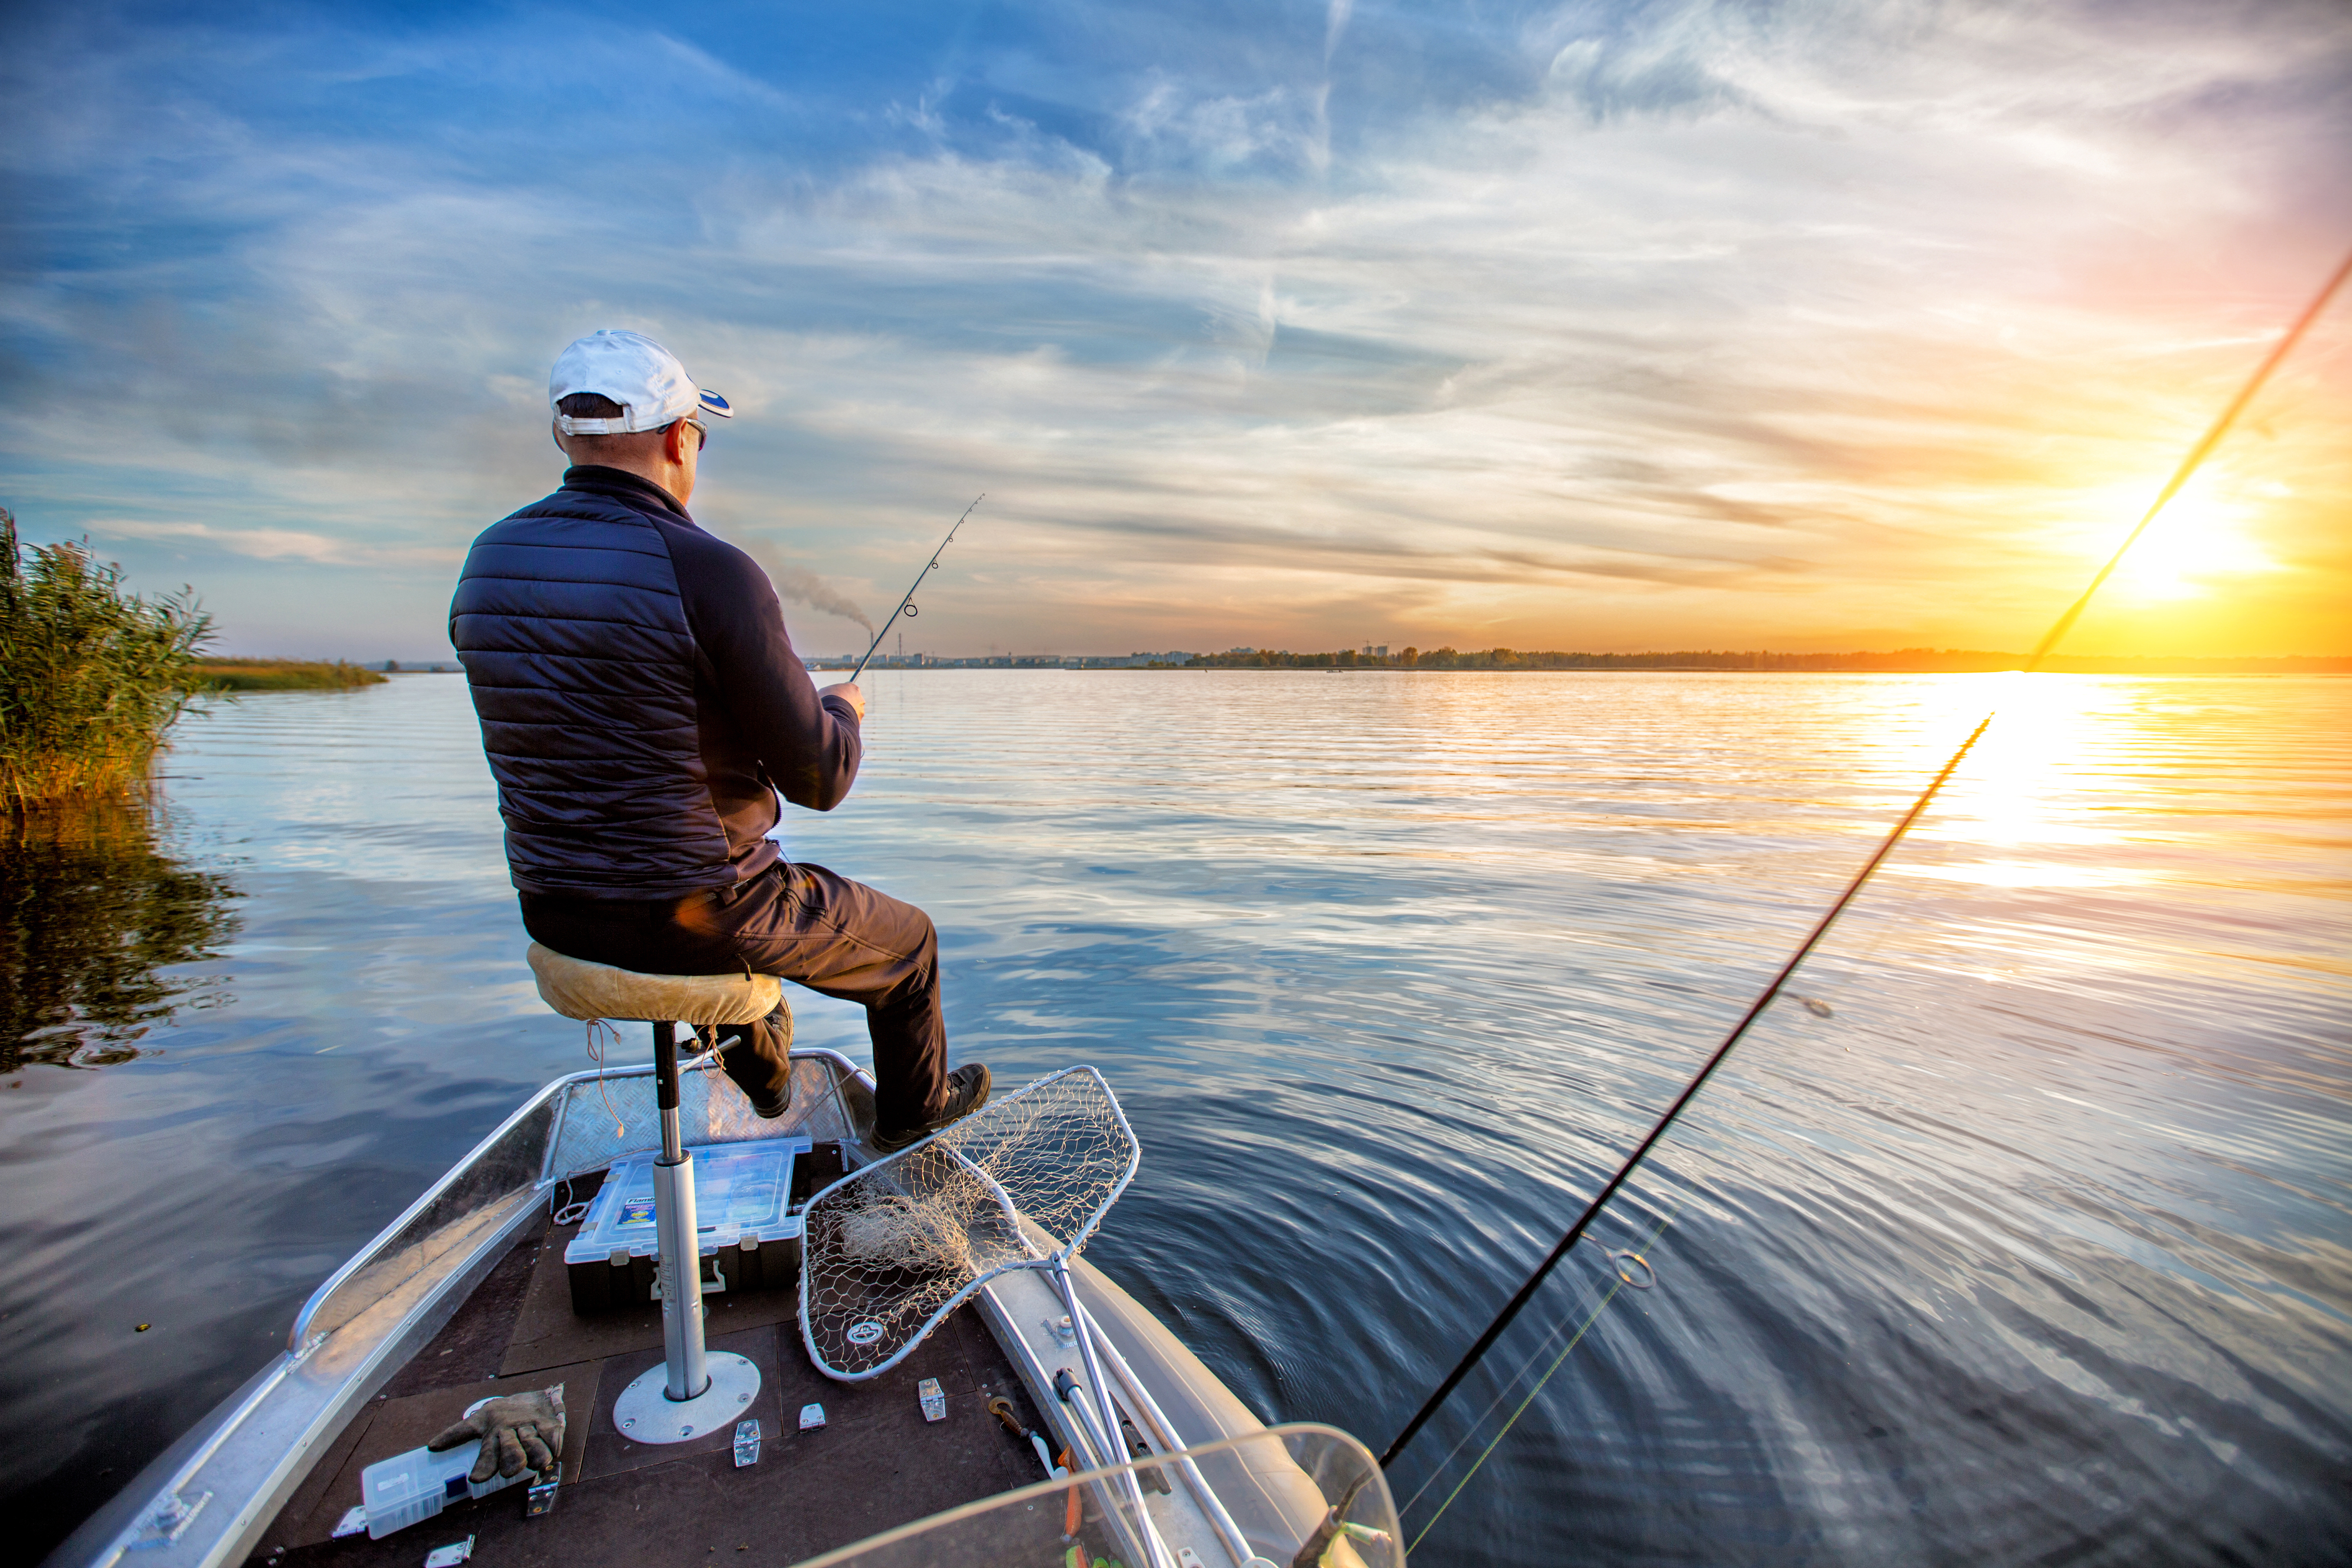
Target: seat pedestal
x: 693, y: 1392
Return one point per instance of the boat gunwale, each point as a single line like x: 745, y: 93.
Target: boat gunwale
x: 1054, y: 1488
x: 299, y: 1341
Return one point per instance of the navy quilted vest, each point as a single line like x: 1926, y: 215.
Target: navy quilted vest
x: 569, y: 624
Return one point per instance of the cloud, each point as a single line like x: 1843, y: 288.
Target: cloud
x: 1814, y: 317
x: 275, y: 543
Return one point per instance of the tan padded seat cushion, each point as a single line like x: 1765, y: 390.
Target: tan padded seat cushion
x: 578, y: 989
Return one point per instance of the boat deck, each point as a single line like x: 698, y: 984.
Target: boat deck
x: 875, y: 1463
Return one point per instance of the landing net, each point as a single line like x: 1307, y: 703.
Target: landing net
x: 891, y: 1250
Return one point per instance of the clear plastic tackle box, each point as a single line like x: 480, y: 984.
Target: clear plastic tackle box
x: 747, y: 1235
x: 408, y: 1487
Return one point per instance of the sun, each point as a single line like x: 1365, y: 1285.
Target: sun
x: 2205, y: 534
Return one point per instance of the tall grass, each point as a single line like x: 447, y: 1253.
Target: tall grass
x: 284, y: 675
x: 91, y: 675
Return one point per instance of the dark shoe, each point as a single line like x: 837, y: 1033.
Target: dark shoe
x: 967, y: 1092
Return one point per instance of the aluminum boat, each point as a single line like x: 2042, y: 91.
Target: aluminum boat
x: 1040, y: 1421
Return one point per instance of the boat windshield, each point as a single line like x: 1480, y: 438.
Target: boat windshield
x: 1300, y: 1495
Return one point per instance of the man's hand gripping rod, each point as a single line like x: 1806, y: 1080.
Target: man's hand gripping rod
x: 907, y: 605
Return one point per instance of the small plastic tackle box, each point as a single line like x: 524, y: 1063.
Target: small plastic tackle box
x: 749, y: 1236
x: 400, y: 1491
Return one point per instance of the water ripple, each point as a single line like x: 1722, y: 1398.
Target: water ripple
x: 2033, y: 1246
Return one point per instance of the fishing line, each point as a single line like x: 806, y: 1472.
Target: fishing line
x: 596, y: 1048
x: 1617, y: 1282
x: 907, y: 605
x: 2180, y: 477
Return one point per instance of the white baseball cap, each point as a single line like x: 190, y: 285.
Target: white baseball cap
x: 644, y: 378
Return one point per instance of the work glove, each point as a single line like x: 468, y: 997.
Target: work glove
x: 517, y: 1430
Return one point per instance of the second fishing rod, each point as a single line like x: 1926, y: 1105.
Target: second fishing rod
x: 907, y: 602
x: 2186, y: 469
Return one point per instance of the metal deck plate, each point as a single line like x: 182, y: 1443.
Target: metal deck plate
x: 646, y: 1414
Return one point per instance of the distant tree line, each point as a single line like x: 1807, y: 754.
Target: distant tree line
x: 1908, y: 660
x: 1922, y: 658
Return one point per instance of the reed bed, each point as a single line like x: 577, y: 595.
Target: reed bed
x: 92, y: 676
x: 284, y: 675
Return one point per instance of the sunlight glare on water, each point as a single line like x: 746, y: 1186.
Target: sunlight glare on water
x: 2022, y: 1239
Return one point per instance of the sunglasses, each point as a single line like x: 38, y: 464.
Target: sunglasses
x: 702, y: 432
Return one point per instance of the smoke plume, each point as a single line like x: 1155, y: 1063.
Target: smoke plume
x: 803, y: 586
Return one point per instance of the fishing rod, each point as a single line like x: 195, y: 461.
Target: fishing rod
x: 907, y: 605
x: 2180, y: 477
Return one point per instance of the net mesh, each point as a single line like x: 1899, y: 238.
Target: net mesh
x: 891, y: 1250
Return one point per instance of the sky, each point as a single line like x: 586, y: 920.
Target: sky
x: 1798, y: 325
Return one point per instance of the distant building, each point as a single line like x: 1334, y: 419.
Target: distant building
x: 1374, y: 651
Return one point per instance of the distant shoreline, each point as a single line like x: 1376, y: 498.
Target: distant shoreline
x: 338, y: 673
x: 1780, y: 664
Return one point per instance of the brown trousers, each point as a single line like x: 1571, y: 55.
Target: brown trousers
x: 807, y: 925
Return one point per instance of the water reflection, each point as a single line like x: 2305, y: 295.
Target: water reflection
x: 94, y: 917
x: 2033, y: 803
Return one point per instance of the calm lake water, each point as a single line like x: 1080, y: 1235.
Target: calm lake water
x: 2029, y: 1244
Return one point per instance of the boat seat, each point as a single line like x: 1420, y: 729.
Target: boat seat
x: 578, y: 989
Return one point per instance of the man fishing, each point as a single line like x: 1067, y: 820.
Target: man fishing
x: 642, y: 708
